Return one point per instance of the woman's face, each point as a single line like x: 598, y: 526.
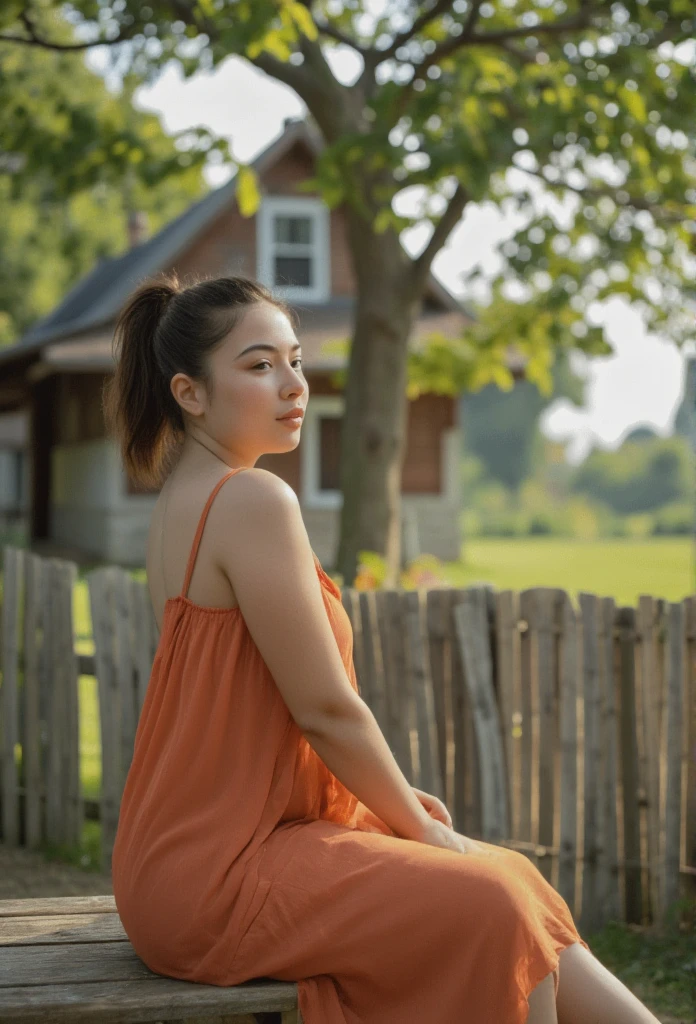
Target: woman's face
x: 256, y: 378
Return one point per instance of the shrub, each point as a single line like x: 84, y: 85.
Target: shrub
x: 676, y: 520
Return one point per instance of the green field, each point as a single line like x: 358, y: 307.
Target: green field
x: 622, y: 569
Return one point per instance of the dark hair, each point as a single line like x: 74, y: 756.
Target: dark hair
x: 164, y: 329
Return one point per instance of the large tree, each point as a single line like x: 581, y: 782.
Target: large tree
x: 576, y: 115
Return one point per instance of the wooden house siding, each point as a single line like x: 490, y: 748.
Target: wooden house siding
x: 229, y: 246
x: 79, y: 414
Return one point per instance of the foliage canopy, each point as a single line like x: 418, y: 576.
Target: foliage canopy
x: 575, y: 117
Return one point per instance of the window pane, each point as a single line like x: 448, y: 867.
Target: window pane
x: 329, y: 452
x: 293, y: 270
x: 293, y: 230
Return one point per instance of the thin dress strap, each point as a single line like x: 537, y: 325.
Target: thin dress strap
x: 201, y: 525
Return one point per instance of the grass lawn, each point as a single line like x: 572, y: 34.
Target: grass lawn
x: 622, y: 569
x: 659, y: 969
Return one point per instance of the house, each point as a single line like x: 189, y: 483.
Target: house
x: 78, y: 495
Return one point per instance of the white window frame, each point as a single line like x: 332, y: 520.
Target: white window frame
x: 294, y: 206
x: 310, y: 452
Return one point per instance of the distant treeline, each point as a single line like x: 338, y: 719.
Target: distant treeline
x: 643, y: 488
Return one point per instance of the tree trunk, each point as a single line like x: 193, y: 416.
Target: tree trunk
x: 374, y: 422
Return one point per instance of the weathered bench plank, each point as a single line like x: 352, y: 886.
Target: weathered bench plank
x: 64, y: 928
x: 153, y: 999
x: 46, y: 905
x: 60, y: 962
x: 65, y: 960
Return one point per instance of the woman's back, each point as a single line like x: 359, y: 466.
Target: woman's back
x: 214, y: 772
x: 175, y: 518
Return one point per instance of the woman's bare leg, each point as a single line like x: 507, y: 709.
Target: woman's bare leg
x: 590, y: 994
x: 542, y: 1003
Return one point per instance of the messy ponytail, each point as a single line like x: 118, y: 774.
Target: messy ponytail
x: 166, y: 329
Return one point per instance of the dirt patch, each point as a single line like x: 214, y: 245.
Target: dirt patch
x: 25, y: 874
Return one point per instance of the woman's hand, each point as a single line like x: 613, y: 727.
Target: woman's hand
x: 438, y: 834
x: 435, y: 807
x: 446, y: 838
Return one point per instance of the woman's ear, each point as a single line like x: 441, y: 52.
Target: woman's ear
x: 188, y: 394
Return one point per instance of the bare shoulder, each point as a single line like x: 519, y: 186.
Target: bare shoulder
x: 254, y: 490
x: 261, y: 521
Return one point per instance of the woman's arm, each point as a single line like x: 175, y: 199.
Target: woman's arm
x: 265, y: 552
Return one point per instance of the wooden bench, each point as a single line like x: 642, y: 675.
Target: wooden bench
x: 68, y: 959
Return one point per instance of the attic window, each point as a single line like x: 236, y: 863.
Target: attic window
x: 292, y: 251
x: 293, y: 247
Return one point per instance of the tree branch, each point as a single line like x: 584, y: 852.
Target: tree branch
x: 472, y: 17
x: 440, y: 7
x: 523, y: 56
x: 61, y: 47
x: 313, y: 81
x: 33, y: 39
x: 293, y: 75
x: 593, y: 192
x: 500, y: 38
x: 332, y: 105
x: 443, y: 229
x: 325, y: 29
x: 467, y: 37
x: 552, y: 28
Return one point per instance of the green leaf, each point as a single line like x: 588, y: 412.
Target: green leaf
x: 383, y: 220
x: 273, y: 42
x: 634, y: 104
x: 302, y: 18
x: 502, y: 377
x: 248, y: 195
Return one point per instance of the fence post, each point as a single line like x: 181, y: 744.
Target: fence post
x: 591, y: 912
x: 471, y: 623
x: 630, y: 781
x: 422, y: 687
x: 610, y: 899
x: 34, y: 725
x: 568, y: 732
x: 671, y: 758
x: 9, y: 707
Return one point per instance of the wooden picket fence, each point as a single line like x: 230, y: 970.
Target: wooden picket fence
x: 566, y: 732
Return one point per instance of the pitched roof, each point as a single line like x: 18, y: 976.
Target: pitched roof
x: 95, y: 301
x: 98, y: 297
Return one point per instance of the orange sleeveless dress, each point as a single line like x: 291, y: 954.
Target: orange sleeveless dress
x: 239, y: 855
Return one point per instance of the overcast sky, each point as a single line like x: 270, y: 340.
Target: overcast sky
x: 641, y: 383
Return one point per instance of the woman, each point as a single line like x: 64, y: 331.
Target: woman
x: 265, y: 829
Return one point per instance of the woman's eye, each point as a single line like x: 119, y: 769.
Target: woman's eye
x: 260, y: 366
